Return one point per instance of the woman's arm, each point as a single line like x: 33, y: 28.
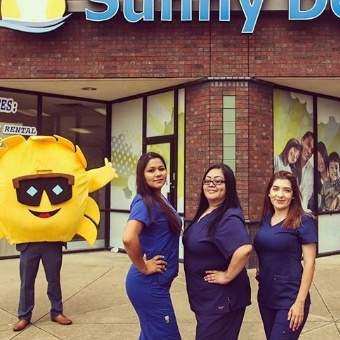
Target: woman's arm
x: 296, y: 311
x: 238, y: 261
x: 132, y: 246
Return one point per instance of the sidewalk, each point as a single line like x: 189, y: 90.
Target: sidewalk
x: 95, y: 299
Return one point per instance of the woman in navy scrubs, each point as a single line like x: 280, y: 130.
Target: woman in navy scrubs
x: 216, y: 250
x: 151, y: 240
x: 286, y: 235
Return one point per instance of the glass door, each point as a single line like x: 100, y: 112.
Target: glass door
x: 166, y: 150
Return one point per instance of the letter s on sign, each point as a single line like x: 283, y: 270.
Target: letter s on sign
x: 110, y: 12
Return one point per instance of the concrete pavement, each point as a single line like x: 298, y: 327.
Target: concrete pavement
x: 95, y: 299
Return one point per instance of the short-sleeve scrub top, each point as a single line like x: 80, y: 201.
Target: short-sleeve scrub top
x: 156, y: 239
x: 205, y: 252
x: 280, y: 254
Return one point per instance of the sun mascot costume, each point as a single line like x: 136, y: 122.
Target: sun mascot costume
x: 44, y: 190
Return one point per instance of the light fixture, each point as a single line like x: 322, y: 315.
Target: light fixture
x: 89, y: 88
x: 80, y: 130
x: 31, y: 112
x: 101, y: 110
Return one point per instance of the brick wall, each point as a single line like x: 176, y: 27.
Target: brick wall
x: 260, y: 146
x: 254, y: 148
x: 309, y: 48
x: 110, y: 49
x: 197, y: 142
x: 254, y: 143
x: 118, y: 49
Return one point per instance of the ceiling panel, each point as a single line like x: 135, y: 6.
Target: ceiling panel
x: 103, y: 89
x: 113, y: 89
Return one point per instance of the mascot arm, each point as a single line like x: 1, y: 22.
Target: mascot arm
x: 89, y: 224
x: 99, y: 177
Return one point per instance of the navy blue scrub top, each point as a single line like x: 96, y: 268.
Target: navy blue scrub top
x: 156, y: 239
x: 280, y: 253
x: 203, y: 252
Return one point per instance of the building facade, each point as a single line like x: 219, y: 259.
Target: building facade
x: 198, y: 91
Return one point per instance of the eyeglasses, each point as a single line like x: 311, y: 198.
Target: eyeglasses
x: 215, y: 182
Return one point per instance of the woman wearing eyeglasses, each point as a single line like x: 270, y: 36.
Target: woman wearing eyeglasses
x: 216, y: 250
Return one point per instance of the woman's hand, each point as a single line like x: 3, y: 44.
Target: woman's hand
x: 132, y: 246
x: 154, y: 265
x: 216, y: 276
x: 237, y: 263
x: 295, y: 315
x: 257, y: 275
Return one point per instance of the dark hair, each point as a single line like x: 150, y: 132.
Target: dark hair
x: 292, y: 143
x: 308, y: 134
x: 321, y: 148
x: 295, y: 212
x: 334, y: 157
x: 149, y: 195
x: 230, y: 201
x: 298, y: 168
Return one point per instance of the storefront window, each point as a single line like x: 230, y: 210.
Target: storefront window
x: 229, y: 131
x: 180, y: 151
x: 327, y: 151
x: 294, y: 140
x: 83, y: 123
x: 160, y: 114
x: 18, y: 116
x: 126, y: 148
x: 312, y: 156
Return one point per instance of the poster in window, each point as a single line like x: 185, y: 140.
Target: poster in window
x: 328, y: 159
x: 294, y: 140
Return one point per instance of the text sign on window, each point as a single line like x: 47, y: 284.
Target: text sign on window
x: 8, y: 105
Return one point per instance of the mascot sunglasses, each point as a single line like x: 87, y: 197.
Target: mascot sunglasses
x: 29, y: 189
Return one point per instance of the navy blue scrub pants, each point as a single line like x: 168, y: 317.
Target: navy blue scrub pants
x: 154, y: 308
x: 276, y: 325
x: 50, y: 253
x: 225, y: 326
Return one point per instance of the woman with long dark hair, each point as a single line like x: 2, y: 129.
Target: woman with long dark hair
x: 151, y: 240
x: 216, y: 249
x: 286, y: 236
x: 288, y: 157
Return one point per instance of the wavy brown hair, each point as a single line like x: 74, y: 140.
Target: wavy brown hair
x: 295, y: 212
x: 150, y: 196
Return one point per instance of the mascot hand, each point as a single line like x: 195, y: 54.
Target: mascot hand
x: 110, y: 169
x: 101, y: 176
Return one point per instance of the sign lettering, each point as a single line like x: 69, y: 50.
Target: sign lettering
x: 18, y: 129
x: 36, y: 19
x: 250, y: 8
x: 8, y: 105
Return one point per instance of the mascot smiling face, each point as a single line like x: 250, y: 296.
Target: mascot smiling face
x: 44, y: 189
